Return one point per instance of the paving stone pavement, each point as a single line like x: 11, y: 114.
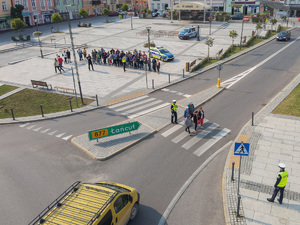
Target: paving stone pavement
x: 273, y: 139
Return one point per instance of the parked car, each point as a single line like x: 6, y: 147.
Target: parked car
x: 161, y: 53
x: 122, y: 12
x: 155, y: 13
x: 299, y: 19
x: 187, y: 33
x: 113, y: 13
x: 284, y: 35
x: 94, y: 204
x: 237, y: 16
x: 246, y: 18
x: 163, y: 13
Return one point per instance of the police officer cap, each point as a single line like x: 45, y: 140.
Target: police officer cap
x: 281, y: 165
x: 174, y: 100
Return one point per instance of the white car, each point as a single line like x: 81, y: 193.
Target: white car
x: 122, y: 12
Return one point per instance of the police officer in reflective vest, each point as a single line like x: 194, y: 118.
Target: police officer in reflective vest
x: 174, y: 108
x: 280, y: 184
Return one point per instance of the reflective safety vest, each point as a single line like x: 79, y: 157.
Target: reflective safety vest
x: 124, y: 59
x: 174, y: 107
x: 283, y: 181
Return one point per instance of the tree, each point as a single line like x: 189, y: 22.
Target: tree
x: 106, y: 12
x: 273, y: 22
x: 258, y: 27
x: 56, y: 18
x: 83, y: 13
x: 16, y: 12
x: 209, y: 42
x: 17, y: 24
x: 124, y: 7
x: 233, y: 34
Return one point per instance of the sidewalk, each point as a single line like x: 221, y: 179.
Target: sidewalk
x: 273, y: 139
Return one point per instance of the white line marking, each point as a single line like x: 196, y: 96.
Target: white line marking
x: 181, y: 136
x: 53, y: 132
x: 45, y: 131
x: 29, y: 128
x: 24, y: 125
x: 199, y: 136
x: 60, y: 135
x: 133, y: 105
x: 179, y: 93
x: 165, y: 89
x: 66, y: 138
x: 173, y: 129
x: 211, y: 142
x: 147, y: 111
x: 172, y: 204
x: 129, y: 101
x: 141, y: 107
x: 173, y: 92
x: 37, y: 129
x: 187, y: 96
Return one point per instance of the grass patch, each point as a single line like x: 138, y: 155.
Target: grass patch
x: 6, y: 88
x: 27, y: 103
x: 290, y: 106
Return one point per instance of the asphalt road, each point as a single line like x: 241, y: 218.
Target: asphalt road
x: 35, y: 168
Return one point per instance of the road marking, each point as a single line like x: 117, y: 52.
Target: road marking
x: 66, y: 138
x: 53, y: 132
x: 141, y: 107
x: 129, y: 101
x: 29, y: 128
x: 45, y: 131
x: 172, y: 204
x: 165, y: 89
x: 24, y: 125
x: 199, y: 136
x: 60, y: 135
x: 148, y: 110
x: 211, y: 142
x: 173, y: 129
x: 136, y: 104
x: 37, y: 129
x: 186, y: 95
x: 180, y: 93
x: 180, y: 137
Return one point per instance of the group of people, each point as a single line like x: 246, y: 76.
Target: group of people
x: 58, y: 61
x: 190, y: 114
x: 135, y: 59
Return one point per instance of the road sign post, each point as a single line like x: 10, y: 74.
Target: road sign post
x: 241, y: 149
x: 219, y: 67
x: 114, y: 130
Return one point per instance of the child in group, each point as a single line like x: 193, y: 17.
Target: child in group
x: 188, y: 123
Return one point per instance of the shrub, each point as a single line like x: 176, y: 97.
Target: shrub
x: 28, y: 37
x: 199, y: 65
x: 78, y: 25
x: 13, y: 38
x: 21, y: 38
x: 152, y: 44
x: 228, y: 51
x: 227, y: 18
x: 279, y: 28
x: 89, y: 24
x: 85, y: 25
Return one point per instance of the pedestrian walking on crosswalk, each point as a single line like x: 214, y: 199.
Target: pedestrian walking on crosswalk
x: 186, y: 112
x: 188, y: 123
x: 174, y: 108
x: 191, y: 108
x: 201, y: 116
x: 195, y: 119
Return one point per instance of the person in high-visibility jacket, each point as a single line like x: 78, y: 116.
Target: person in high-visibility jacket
x: 174, y: 108
x: 280, y: 184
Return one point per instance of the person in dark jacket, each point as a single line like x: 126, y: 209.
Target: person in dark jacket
x: 90, y: 63
x: 195, y: 119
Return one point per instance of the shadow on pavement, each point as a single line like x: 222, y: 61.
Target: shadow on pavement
x: 146, y: 216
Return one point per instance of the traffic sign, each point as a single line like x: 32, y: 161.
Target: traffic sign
x: 114, y: 130
x: 241, y: 148
x: 220, y: 67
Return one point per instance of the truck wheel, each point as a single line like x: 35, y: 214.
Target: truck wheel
x: 134, y: 211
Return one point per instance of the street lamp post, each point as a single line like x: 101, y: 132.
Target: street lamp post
x: 242, y: 34
x: 75, y: 61
x: 148, y: 30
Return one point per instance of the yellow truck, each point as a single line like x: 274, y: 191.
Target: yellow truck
x: 100, y: 203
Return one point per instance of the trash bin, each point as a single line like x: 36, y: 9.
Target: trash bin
x: 120, y: 16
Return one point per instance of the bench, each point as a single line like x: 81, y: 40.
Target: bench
x: 36, y: 83
x: 64, y: 88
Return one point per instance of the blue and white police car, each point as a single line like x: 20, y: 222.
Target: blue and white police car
x: 187, y: 33
x: 161, y: 53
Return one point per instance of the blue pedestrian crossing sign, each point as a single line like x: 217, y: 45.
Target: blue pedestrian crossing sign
x: 241, y: 148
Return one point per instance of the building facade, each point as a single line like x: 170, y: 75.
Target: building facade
x: 5, y: 14
x: 94, y: 8
x: 244, y: 7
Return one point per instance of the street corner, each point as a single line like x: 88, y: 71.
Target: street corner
x: 115, y: 140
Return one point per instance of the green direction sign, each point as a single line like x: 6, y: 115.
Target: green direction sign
x: 114, y: 130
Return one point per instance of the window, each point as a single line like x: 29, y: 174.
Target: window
x: 18, y: 2
x: 121, y: 202
x: 4, y: 6
x: 49, y: 2
x: 107, y: 219
x: 42, y: 3
x: 25, y: 4
x: 33, y: 3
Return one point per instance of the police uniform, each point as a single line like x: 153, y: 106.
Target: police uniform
x: 174, y: 108
x: 280, y: 184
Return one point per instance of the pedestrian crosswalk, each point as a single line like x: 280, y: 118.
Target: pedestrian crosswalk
x: 176, y: 92
x: 138, y: 106
x: 224, y: 25
x: 48, y: 131
x: 201, y: 141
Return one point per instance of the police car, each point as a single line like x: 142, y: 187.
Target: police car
x: 161, y: 53
x: 187, y: 33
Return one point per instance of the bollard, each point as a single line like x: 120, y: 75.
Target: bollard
x: 252, y: 119
x: 219, y: 83
x: 238, y: 206
x: 169, y: 78
x: 183, y: 73
x: 232, y: 174
x: 97, y: 100
x: 152, y: 83
x: 12, y: 113
x: 42, y: 110
x: 71, y: 105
